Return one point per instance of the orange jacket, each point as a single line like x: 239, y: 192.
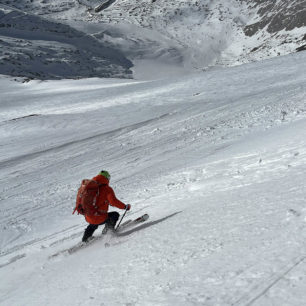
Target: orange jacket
x: 106, y: 197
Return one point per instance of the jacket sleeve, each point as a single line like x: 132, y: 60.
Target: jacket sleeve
x: 113, y: 200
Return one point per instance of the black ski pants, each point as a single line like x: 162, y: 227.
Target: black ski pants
x: 110, y: 222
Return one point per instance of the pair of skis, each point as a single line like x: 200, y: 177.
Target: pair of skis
x: 120, y: 228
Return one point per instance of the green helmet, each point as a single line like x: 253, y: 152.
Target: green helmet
x: 105, y: 174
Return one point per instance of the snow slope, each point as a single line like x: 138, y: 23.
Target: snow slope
x: 210, y: 33
x: 35, y: 47
x: 217, y: 159
x: 161, y: 38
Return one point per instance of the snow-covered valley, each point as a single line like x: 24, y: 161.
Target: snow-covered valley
x: 217, y: 159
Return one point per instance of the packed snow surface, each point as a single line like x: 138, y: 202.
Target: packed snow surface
x: 217, y: 159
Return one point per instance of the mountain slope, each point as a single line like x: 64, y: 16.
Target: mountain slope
x: 279, y: 27
x: 218, y: 32
x: 38, y: 48
x: 217, y: 159
x: 163, y: 38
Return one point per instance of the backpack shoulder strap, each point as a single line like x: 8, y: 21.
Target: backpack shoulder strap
x: 99, y: 187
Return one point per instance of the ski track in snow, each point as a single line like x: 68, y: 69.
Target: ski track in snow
x: 217, y: 159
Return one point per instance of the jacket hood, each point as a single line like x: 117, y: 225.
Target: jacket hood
x: 101, y: 179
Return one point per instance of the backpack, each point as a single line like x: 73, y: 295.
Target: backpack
x: 87, y: 197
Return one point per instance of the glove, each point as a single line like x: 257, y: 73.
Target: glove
x: 128, y: 206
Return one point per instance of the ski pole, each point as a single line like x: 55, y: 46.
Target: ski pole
x: 121, y: 219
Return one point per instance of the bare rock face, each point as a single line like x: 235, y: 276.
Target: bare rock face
x: 277, y: 15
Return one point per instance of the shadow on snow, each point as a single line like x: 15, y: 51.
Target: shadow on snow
x: 146, y: 225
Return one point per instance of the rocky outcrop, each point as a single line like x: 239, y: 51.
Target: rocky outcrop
x: 276, y: 16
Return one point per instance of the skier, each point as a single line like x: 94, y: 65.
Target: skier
x: 105, y: 198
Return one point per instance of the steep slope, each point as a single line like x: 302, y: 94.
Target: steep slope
x: 279, y: 27
x: 217, y: 159
x: 218, y: 32
x: 173, y: 37
x: 277, y: 16
x: 201, y: 29
x: 35, y: 47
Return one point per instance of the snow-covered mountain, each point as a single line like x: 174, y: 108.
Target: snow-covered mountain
x: 37, y: 47
x: 166, y: 37
x: 217, y: 159
x: 279, y: 27
x: 219, y: 32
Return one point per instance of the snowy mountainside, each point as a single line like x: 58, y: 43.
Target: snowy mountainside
x: 278, y: 16
x: 35, y: 47
x: 174, y: 37
x: 200, y: 30
x: 216, y: 158
x: 279, y: 27
x: 220, y: 32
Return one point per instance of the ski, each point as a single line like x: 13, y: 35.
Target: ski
x: 77, y: 247
x: 82, y: 245
x: 129, y: 223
